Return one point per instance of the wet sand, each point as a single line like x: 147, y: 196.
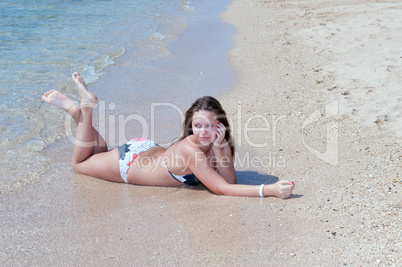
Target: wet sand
x: 346, y: 208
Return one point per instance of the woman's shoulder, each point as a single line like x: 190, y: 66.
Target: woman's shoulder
x: 186, y: 146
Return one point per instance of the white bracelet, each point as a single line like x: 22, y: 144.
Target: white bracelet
x: 261, y: 188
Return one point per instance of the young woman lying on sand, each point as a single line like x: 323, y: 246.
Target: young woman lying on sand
x: 203, y: 155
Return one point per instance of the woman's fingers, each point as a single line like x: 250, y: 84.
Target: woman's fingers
x: 221, y: 126
x: 222, y: 129
x: 285, y: 188
x: 220, y: 133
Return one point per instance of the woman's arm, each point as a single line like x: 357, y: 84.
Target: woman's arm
x: 222, y: 155
x: 281, y: 189
x: 224, y: 162
x: 217, y: 184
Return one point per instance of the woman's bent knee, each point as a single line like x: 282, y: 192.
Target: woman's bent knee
x: 102, y: 165
x: 75, y: 167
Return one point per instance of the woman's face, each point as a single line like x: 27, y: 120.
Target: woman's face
x: 204, y: 126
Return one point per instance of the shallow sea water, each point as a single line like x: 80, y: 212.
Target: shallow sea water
x: 43, y: 42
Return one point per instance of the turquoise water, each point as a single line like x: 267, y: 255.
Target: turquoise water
x: 42, y: 42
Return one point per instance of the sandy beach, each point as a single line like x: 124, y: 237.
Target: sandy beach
x: 322, y: 79
x: 315, y: 101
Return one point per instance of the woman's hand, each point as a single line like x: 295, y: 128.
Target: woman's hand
x: 281, y: 189
x: 219, y: 135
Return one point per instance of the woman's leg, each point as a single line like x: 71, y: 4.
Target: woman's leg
x: 84, y: 139
x: 101, y: 165
x: 57, y: 99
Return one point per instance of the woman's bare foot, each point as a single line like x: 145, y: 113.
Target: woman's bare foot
x: 86, y: 97
x: 57, y: 99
